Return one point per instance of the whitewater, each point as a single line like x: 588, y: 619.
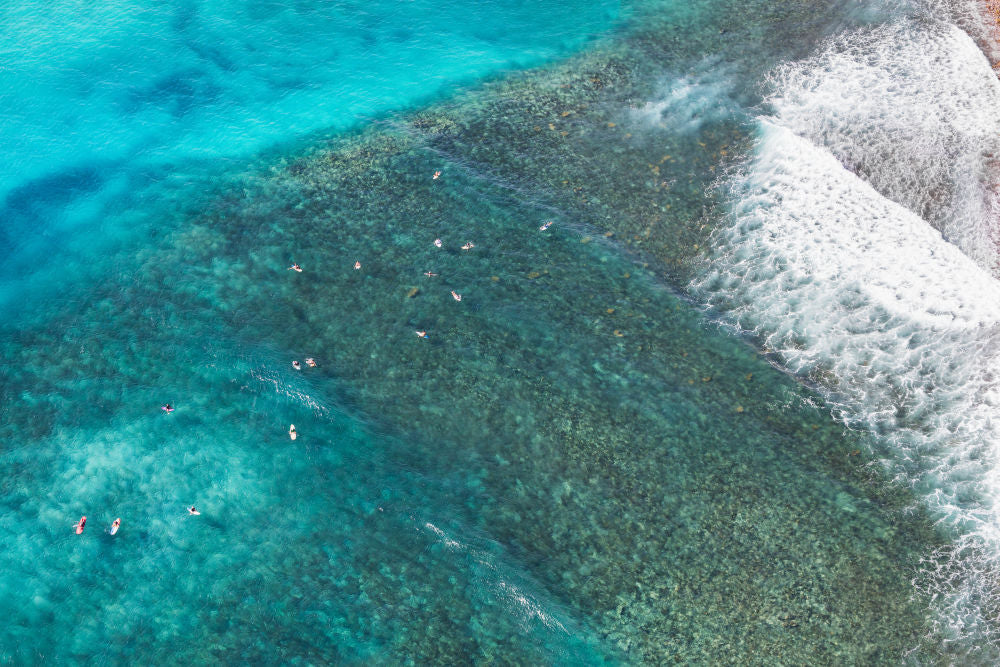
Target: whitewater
x: 861, y: 254
x: 721, y: 386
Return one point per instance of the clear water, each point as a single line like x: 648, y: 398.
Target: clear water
x: 577, y: 465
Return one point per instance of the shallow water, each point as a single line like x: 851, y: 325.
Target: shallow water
x: 570, y: 462
x: 577, y: 465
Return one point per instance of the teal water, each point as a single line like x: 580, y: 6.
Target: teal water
x: 104, y: 106
x: 577, y: 465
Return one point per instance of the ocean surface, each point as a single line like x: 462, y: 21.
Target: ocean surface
x: 644, y: 332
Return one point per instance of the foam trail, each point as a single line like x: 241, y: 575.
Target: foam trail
x: 899, y: 327
x: 690, y: 100
x: 830, y: 261
x: 914, y: 110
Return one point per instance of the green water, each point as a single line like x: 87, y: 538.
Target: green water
x: 576, y: 466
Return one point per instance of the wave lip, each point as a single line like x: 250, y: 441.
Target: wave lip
x: 846, y: 261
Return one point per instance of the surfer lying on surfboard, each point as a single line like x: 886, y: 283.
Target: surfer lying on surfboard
x: 80, y: 524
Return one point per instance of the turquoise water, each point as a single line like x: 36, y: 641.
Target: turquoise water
x: 579, y: 464
x: 105, y: 105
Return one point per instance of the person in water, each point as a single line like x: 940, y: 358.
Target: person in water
x: 168, y: 408
x: 192, y: 510
x: 295, y: 267
x: 357, y: 265
x: 437, y: 243
x: 80, y: 524
x: 422, y: 334
x: 296, y: 365
x: 291, y: 432
x: 310, y: 362
x: 429, y: 274
x: 469, y: 245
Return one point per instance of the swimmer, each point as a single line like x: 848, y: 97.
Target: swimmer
x: 437, y: 243
x: 357, y: 265
x: 193, y: 511
x: 437, y: 175
x: 167, y: 408
x: 291, y: 432
x: 429, y: 274
x: 296, y: 365
x: 545, y: 225
x: 310, y: 362
x: 115, y: 525
x: 80, y: 524
x: 422, y: 334
x: 295, y: 267
x: 456, y: 295
x: 469, y: 245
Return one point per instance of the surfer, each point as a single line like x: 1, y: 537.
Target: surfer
x: 167, y: 408
x: 437, y: 175
x: 80, y: 524
x: 295, y: 267
x: 193, y: 511
x: 296, y: 365
x: 357, y: 265
x: 437, y: 243
x: 455, y: 295
x: 310, y: 362
x: 422, y: 334
x: 546, y: 225
x: 115, y: 525
x: 469, y: 245
x: 429, y: 274
x: 291, y: 432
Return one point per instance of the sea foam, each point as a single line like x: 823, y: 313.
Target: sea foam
x: 834, y: 258
x: 914, y: 111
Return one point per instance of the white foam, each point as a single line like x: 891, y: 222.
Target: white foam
x: 530, y: 609
x: 443, y: 537
x: 971, y: 16
x: 829, y: 262
x: 688, y: 101
x: 510, y: 595
x: 914, y: 110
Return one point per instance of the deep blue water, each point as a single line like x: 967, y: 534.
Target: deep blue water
x: 579, y: 464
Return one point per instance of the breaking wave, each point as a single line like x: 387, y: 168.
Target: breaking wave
x: 861, y: 252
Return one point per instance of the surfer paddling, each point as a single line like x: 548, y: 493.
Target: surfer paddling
x: 296, y: 268
x: 80, y: 524
x: 115, y: 525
